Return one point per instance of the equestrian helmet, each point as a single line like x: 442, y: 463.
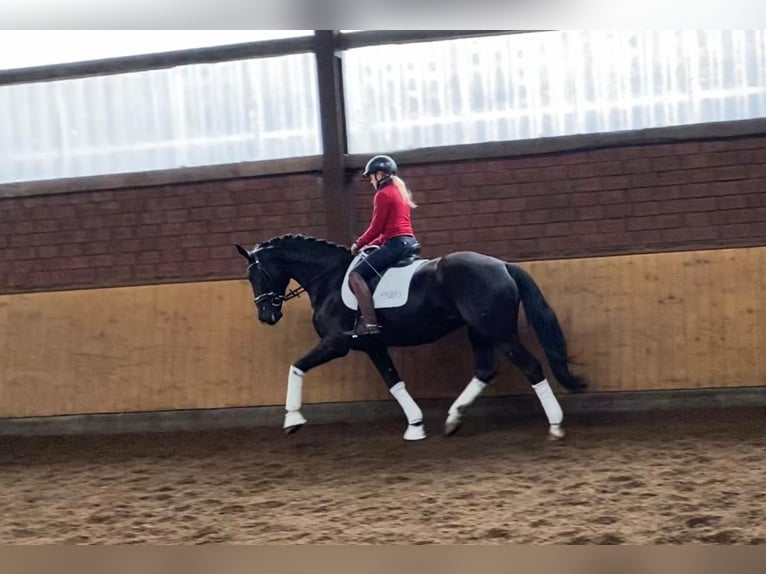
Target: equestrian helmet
x: 382, y: 163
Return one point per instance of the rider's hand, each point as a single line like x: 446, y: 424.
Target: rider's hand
x: 354, y: 249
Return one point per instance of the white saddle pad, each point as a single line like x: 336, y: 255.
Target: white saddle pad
x: 392, y: 289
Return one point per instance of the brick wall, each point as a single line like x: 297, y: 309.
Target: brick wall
x: 150, y: 234
x: 692, y: 195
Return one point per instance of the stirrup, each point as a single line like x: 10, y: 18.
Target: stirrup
x: 363, y: 328
x: 367, y: 329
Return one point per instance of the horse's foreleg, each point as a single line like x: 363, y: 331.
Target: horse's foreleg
x: 483, y: 373
x: 325, y: 351
x: 385, y: 366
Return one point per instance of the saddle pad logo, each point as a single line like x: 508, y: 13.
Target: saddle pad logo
x: 390, y: 294
x: 392, y: 289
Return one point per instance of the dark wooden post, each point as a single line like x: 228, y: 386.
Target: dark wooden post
x: 339, y: 206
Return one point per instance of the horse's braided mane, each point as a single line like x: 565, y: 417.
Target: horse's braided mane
x: 291, y: 239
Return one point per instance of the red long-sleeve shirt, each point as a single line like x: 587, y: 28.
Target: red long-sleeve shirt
x: 390, y: 217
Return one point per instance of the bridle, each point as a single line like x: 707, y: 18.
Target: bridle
x: 275, y: 298
x: 272, y: 296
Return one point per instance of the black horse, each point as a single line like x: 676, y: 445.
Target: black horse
x: 461, y: 288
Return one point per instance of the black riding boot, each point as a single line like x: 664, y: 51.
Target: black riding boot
x: 367, y: 322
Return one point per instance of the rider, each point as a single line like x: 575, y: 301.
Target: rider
x: 390, y: 228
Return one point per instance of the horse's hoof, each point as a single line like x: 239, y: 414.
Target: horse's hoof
x: 293, y: 421
x: 451, y: 428
x: 555, y: 432
x: 415, y: 432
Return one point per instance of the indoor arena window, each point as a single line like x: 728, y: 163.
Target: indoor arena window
x: 532, y: 85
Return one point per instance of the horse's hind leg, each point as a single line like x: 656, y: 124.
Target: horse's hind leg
x: 385, y: 366
x: 530, y: 366
x: 483, y: 373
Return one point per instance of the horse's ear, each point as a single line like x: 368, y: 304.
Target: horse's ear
x: 244, y: 253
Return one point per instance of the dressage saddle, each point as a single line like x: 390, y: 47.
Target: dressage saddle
x: 410, y: 256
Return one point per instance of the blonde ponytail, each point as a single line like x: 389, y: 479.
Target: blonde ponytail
x: 404, y: 191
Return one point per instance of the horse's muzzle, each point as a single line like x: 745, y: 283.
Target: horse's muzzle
x: 269, y: 307
x: 270, y: 316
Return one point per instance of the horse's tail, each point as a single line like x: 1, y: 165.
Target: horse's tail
x: 546, y: 327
